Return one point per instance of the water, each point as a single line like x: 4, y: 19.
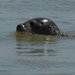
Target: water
x: 23, y: 54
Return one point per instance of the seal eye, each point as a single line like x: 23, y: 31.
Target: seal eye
x: 42, y: 23
x: 31, y: 23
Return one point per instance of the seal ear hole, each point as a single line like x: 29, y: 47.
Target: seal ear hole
x: 31, y: 23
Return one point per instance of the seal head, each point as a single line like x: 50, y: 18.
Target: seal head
x: 40, y: 26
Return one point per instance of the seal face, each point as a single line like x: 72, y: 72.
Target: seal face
x: 40, y: 26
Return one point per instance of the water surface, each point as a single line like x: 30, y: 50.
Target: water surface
x: 23, y: 54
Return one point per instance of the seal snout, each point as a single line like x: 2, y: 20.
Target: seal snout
x: 21, y: 28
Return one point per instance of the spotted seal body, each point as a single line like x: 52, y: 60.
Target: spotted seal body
x: 40, y: 26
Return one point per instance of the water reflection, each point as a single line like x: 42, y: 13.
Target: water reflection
x: 30, y: 37
x: 29, y: 44
x: 37, y: 52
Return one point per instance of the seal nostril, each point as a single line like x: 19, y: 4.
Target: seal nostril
x: 20, y: 28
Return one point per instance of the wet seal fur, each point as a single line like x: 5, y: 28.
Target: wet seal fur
x: 43, y: 26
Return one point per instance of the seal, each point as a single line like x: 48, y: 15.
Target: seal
x: 43, y: 26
